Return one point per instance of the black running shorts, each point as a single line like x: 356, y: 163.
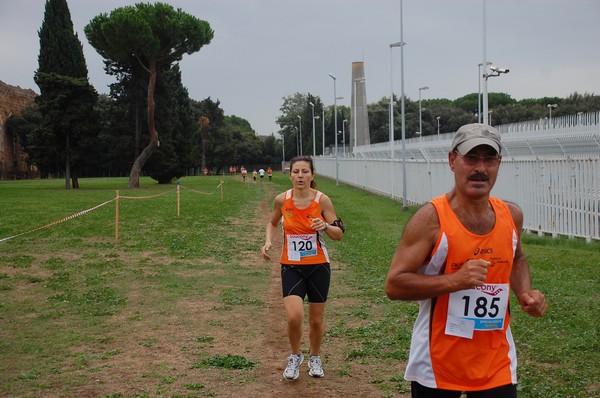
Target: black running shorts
x: 306, y: 280
x: 419, y: 391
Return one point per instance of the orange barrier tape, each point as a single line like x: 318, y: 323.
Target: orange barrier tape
x: 204, y: 193
x: 72, y: 216
x: 146, y: 197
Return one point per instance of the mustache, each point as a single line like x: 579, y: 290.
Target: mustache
x: 478, y: 177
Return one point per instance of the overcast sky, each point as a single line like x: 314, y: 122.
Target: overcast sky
x: 265, y: 50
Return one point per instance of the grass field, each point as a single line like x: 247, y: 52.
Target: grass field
x: 79, y: 310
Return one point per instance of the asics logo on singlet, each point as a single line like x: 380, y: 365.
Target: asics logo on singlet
x: 489, y: 290
x: 486, y: 250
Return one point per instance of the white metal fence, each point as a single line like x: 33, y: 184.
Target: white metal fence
x: 552, y: 173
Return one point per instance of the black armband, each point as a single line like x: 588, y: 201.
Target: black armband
x: 340, y: 224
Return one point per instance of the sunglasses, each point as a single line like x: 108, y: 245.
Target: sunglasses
x: 472, y: 159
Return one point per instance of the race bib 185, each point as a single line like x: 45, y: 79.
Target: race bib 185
x: 481, y: 309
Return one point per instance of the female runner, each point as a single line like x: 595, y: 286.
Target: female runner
x: 307, y: 215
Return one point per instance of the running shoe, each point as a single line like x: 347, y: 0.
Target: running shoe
x: 292, y: 371
x: 315, y: 369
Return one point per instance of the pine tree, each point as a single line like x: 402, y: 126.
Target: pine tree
x: 153, y: 35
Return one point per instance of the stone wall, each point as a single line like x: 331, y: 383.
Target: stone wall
x: 13, y: 160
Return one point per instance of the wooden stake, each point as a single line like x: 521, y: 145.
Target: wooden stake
x: 117, y: 218
x: 178, y: 198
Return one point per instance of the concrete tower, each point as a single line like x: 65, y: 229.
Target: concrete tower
x: 359, y: 120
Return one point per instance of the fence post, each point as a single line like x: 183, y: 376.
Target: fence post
x: 178, y: 198
x: 117, y: 218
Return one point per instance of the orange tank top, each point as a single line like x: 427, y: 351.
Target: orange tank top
x: 301, y: 244
x: 462, y: 340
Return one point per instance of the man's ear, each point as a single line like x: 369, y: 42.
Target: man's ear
x: 451, y: 159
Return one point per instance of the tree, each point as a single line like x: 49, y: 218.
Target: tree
x: 209, y: 133
x: 131, y: 95
x: 152, y: 35
x: 204, y: 122
x: 237, y: 121
x: 298, y: 105
x: 468, y: 103
x: 293, y: 105
x: 66, y: 99
x: 19, y: 129
x: 178, y: 125
x: 271, y: 152
x: 114, y: 144
x: 250, y: 150
x: 235, y: 142
x: 379, y: 120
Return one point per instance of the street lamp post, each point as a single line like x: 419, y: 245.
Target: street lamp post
x: 315, y: 118
x: 479, y: 65
x: 479, y: 111
x: 300, y: 130
x: 550, y: 107
x: 391, y: 128
x: 282, y: 151
x: 438, y: 126
x: 344, y: 136
x: 323, y: 134
x: 485, y: 62
x: 420, y: 118
x: 337, y: 182
x: 484, y: 101
x: 402, y: 110
x: 313, y: 128
x: 357, y: 80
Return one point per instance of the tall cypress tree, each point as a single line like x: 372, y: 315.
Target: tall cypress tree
x: 61, y: 51
x: 66, y: 98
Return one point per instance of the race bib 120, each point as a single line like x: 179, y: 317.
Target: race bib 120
x: 300, y: 246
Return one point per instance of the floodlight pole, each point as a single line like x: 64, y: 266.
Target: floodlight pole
x: 391, y: 128
x: 282, y: 151
x: 337, y: 181
x: 323, y: 127
x: 313, y: 128
x: 420, y: 118
x: 344, y: 136
x: 485, y: 64
x: 495, y: 72
x: 300, y: 130
x: 402, y: 108
x: 550, y: 107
